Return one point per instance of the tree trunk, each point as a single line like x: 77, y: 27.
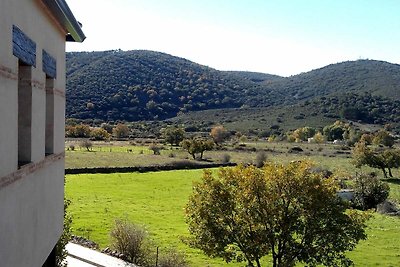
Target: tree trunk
x: 201, y: 154
x: 390, y: 173
x: 384, y: 172
x: 194, y: 155
x: 258, y: 262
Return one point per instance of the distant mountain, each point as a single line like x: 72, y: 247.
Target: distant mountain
x: 375, y: 77
x: 147, y: 85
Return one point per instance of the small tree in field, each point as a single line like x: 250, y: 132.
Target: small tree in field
x: 121, y: 131
x: 173, y: 135
x: 383, y: 159
x: 197, y: 146
x: 219, y: 134
x: 99, y: 134
x: 286, y: 211
x: 86, y: 144
x: 383, y: 138
x: 155, y: 148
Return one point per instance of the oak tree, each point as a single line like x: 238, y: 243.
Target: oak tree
x: 286, y: 211
x: 197, y: 146
x: 173, y: 135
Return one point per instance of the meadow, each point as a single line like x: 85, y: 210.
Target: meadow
x: 157, y: 200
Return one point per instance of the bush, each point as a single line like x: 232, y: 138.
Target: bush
x: 72, y: 147
x: 86, y: 144
x: 295, y: 149
x: 61, y: 252
x: 369, y: 191
x: 261, y: 158
x: 131, y: 240
x: 226, y: 158
x: 172, y: 258
x: 156, y: 149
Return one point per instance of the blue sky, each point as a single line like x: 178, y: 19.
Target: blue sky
x: 283, y: 37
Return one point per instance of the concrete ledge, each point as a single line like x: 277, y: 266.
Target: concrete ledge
x: 94, y: 258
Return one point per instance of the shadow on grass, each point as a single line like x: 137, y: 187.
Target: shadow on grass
x: 393, y: 181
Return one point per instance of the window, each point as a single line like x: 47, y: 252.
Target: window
x: 24, y: 114
x: 49, y: 139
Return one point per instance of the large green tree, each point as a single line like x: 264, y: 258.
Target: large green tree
x: 286, y: 211
x: 173, y: 135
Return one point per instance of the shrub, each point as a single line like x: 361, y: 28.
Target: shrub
x: 155, y: 148
x: 295, y: 149
x: 72, y: 147
x: 226, y: 158
x: 86, y: 144
x: 369, y: 191
x: 131, y: 240
x: 261, y: 158
x: 61, y: 252
x: 172, y: 258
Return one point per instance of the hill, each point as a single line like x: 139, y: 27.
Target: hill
x: 375, y: 77
x: 147, y: 85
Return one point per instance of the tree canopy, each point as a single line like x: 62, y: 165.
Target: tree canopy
x: 286, y: 211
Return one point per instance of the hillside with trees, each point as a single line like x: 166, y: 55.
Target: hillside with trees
x: 145, y: 85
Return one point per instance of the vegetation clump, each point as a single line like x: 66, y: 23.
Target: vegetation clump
x: 369, y: 191
x: 133, y: 242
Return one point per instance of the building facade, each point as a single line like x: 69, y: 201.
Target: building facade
x: 32, y: 103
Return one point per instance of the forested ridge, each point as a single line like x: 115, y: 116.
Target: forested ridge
x: 146, y: 85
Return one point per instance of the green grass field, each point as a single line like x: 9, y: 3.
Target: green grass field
x: 157, y: 200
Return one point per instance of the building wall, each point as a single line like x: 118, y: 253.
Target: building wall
x: 31, y: 197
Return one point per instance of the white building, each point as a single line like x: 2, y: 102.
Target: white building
x: 32, y: 103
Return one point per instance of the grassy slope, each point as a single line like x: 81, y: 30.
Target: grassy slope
x: 157, y: 200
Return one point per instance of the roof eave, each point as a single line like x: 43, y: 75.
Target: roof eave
x: 65, y: 17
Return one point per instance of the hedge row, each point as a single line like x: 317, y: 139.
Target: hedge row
x: 179, y: 165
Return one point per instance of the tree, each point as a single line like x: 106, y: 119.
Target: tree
x: 121, y: 131
x: 77, y: 131
x: 219, y: 134
x: 336, y: 131
x: 173, y: 135
x: 155, y: 148
x: 302, y: 134
x: 319, y: 138
x: 383, y: 137
x: 86, y: 144
x: 99, y: 134
x: 286, y: 211
x: 197, y: 146
x: 379, y: 158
